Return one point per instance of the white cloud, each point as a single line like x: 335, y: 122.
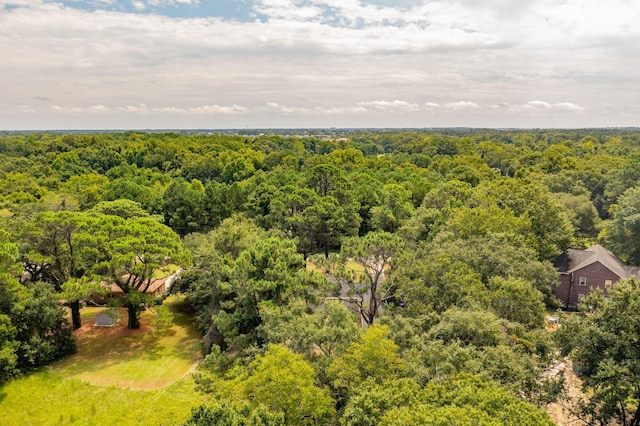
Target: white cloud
x: 217, y: 109
x: 171, y: 2
x: 341, y: 110
x: 274, y: 107
x: 139, y: 5
x: 569, y: 106
x: 95, y: 109
x: 145, y: 110
x: 538, y: 107
x: 141, y: 109
x: 287, y: 10
x: 4, y: 3
x: 539, y: 104
x: 321, y: 58
x: 390, y: 106
x: 98, y: 109
x: 542, y: 105
x: 170, y: 110
x: 16, y: 109
x: 202, y: 110
x: 462, y: 105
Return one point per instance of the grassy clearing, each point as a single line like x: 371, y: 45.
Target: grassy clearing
x: 354, y: 267
x: 143, y: 359
x: 118, y: 376
x: 45, y: 398
x: 351, y: 266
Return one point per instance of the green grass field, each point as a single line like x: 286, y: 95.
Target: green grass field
x: 350, y: 266
x: 118, y: 377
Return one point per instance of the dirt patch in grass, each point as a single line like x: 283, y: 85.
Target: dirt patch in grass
x: 90, y: 331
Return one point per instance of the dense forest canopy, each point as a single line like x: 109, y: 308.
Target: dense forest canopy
x: 408, y: 271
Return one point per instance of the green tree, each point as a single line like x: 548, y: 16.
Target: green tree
x: 214, y: 255
x: 184, y: 206
x: 8, y: 348
x: 366, y: 191
x: 148, y: 194
x: 465, y: 400
x: 267, y: 275
x: 75, y: 291
x: 395, y: 209
x: 87, y: 188
x: 603, y: 342
x: 128, y: 252
x: 550, y: 231
x: 371, y: 400
x: 53, y: 247
x: 330, y: 328
x: 470, y: 327
x: 226, y: 414
x: 42, y: 328
x: 11, y: 295
x: 326, y: 179
x: 622, y: 232
x: 285, y: 382
x: 431, y: 283
x: 622, y: 179
x: 581, y: 213
x: 374, y: 253
x: 123, y: 208
x: 222, y: 201
x: 516, y: 300
x: 287, y: 205
x: 465, y: 222
x: 458, y: 271
x: 321, y: 225
x: 373, y: 357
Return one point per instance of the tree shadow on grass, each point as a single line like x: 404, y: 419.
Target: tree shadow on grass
x: 104, y: 348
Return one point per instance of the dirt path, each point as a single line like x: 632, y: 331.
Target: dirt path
x: 557, y: 411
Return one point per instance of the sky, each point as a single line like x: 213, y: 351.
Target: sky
x: 222, y: 64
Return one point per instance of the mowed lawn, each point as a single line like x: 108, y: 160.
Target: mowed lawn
x: 118, y: 377
x: 144, y: 359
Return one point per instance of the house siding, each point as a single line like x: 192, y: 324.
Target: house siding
x: 564, y: 289
x: 570, y: 289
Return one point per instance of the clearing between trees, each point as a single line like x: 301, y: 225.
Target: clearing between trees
x: 118, y: 376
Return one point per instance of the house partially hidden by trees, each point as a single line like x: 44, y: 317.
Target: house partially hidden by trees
x: 156, y: 287
x: 582, y: 271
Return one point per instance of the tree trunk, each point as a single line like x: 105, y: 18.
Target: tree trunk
x: 134, y: 320
x: 213, y: 337
x: 636, y: 417
x: 373, y: 308
x: 75, y: 314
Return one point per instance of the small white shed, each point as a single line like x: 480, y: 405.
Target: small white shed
x: 107, y: 318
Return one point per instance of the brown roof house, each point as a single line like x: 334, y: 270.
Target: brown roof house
x: 582, y: 271
x: 158, y: 287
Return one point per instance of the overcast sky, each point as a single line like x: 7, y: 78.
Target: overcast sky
x: 169, y: 64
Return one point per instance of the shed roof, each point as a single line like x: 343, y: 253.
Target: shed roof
x: 106, y: 318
